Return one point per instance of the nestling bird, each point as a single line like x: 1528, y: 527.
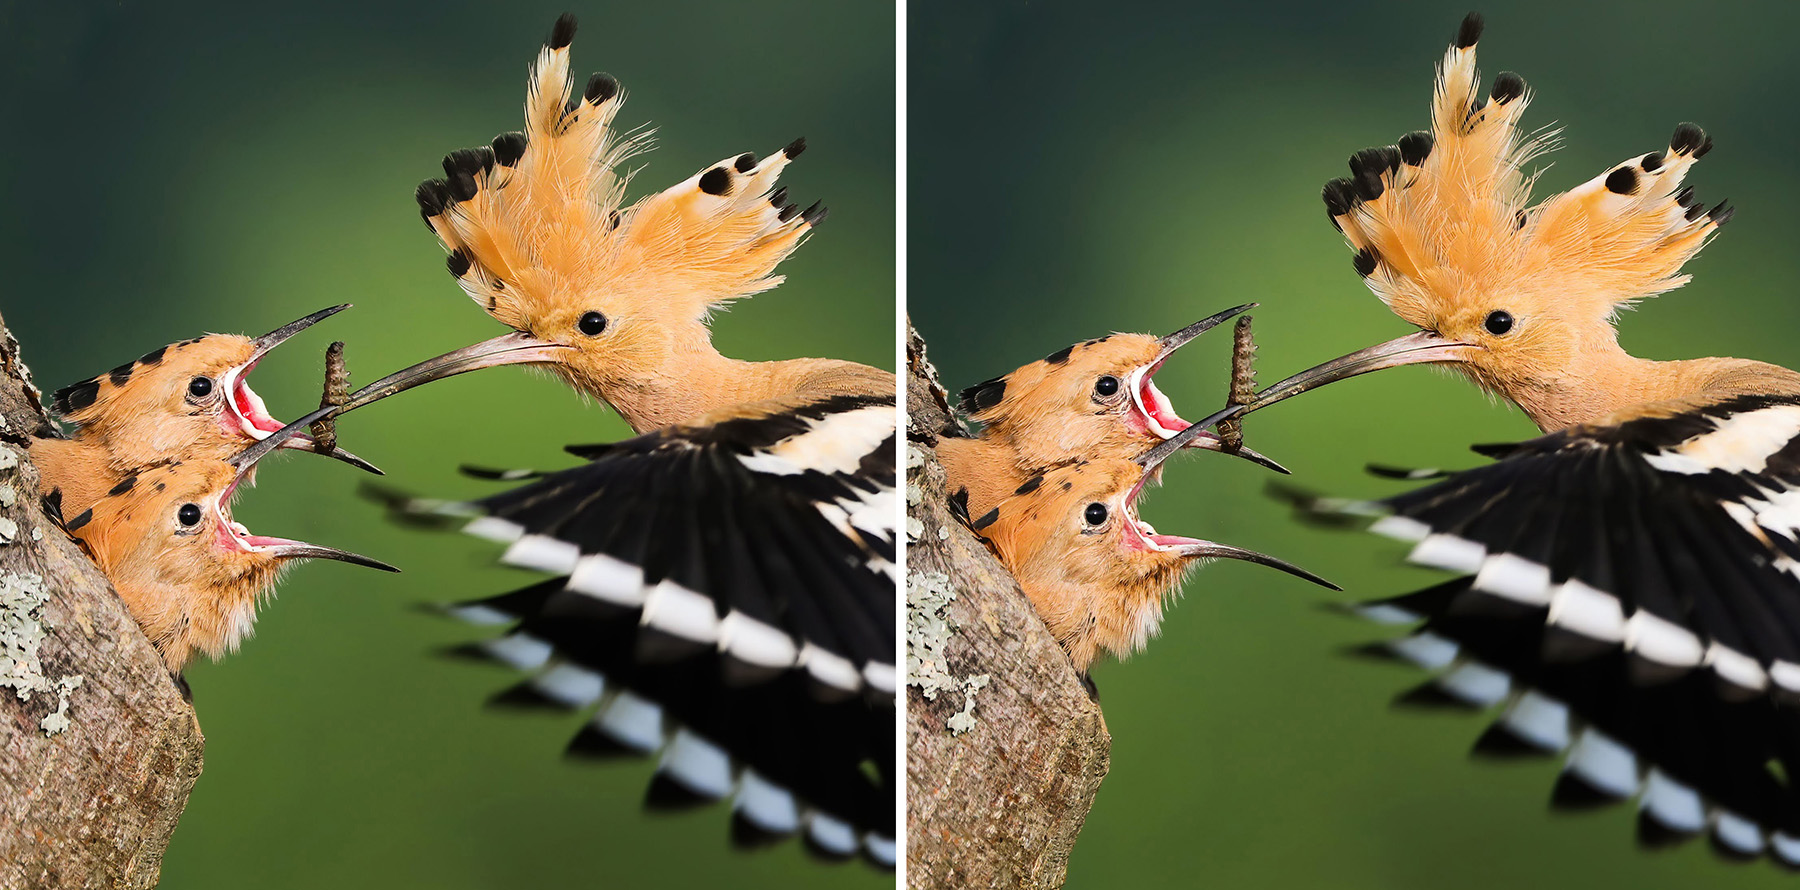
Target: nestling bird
x: 1091, y: 401
x: 190, y: 575
x: 755, y: 517
x: 1634, y: 570
x: 188, y: 401
x: 1097, y: 574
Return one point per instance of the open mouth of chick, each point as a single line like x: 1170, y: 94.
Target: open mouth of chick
x: 1152, y: 408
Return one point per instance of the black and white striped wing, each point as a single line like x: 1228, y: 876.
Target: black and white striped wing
x: 1632, y: 595
x: 725, y: 599
x: 769, y: 535
x: 788, y: 761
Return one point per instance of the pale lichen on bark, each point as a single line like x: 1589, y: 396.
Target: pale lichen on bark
x: 22, y: 630
x: 98, y: 749
x: 998, y: 784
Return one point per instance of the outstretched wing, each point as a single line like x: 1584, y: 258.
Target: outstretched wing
x: 767, y: 533
x: 788, y: 761
x: 726, y: 595
x: 1634, y: 594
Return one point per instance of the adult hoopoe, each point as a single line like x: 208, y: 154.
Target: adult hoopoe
x: 1629, y: 578
x: 752, y: 524
x: 190, y: 574
x: 1097, y: 574
x: 1093, y: 400
x: 187, y: 401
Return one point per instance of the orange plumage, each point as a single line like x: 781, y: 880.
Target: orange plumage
x: 186, y: 401
x: 1522, y: 296
x: 615, y: 298
x: 190, y: 575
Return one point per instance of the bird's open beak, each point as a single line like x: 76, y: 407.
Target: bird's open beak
x: 516, y: 348
x: 234, y: 534
x: 1194, y: 548
x: 1424, y: 347
x: 246, y: 408
x: 1155, y: 411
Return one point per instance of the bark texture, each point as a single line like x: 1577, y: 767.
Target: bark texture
x: 93, y: 777
x: 998, y: 787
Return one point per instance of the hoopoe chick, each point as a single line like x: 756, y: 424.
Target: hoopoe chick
x: 190, y: 575
x: 188, y: 401
x: 1628, y: 580
x: 1097, y: 574
x: 1091, y: 401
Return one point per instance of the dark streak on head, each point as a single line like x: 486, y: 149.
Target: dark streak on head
x: 563, y: 32
x: 715, y: 181
x: 1623, y: 181
x: 76, y: 397
x: 1059, y: 356
x: 982, y: 396
x: 1469, y: 31
x: 601, y: 87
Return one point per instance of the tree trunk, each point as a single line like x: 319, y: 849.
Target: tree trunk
x: 1005, y: 750
x: 98, y: 749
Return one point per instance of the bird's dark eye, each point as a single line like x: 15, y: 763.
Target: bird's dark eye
x: 1498, y: 322
x: 189, y: 515
x: 200, y: 387
x: 1106, y: 386
x: 592, y: 324
x: 1095, y: 513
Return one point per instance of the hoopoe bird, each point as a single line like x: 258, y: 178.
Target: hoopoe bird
x: 1626, y: 577
x: 191, y: 575
x: 1093, y: 400
x: 1097, y: 574
x: 188, y: 401
x: 752, y: 523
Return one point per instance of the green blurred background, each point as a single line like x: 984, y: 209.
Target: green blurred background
x: 173, y: 168
x: 1078, y: 169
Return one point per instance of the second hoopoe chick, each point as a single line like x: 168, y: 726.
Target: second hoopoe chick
x: 1094, y: 400
x: 187, y: 401
x: 1630, y: 579
x: 1097, y: 574
x: 189, y: 574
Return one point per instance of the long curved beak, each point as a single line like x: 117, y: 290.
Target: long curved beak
x: 264, y: 344
x: 245, y: 461
x: 1185, y: 335
x: 1194, y: 548
x: 286, y: 549
x: 1210, y: 550
x: 1422, y: 347
x: 1205, y: 440
x: 1197, y: 430
x: 516, y: 348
